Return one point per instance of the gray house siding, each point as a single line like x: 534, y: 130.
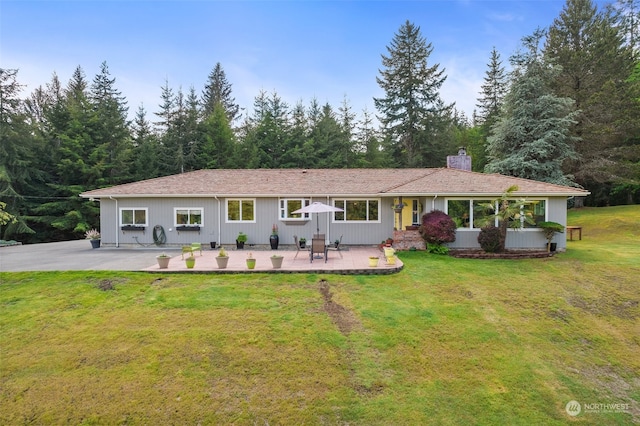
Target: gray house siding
x: 525, y: 238
x: 160, y: 211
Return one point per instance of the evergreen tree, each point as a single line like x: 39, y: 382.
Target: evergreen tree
x: 368, y: 143
x: 17, y: 153
x: 218, y: 141
x: 218, y: 91
x: 532, y: 136
x: 111, y: 154
x: 595, y: 65
x: 494, y: 89
x: 146, y: 150
x: 411, y: 111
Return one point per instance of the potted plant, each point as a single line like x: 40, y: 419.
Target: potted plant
x: 274, y: 239
x: 397, y: 207
x: 222, y: 258
x: 190, y: 261
x: 94, y: 237
x: 549, y: 229
x: 276, y: 261
x: 373, y: 261
x: 337, y: 243
x: 163, y: 260
x: 251, y: 261
x: 303, y: 242
x: 240, y: 240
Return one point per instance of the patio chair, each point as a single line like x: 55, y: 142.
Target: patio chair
x: 298, y: 248
x: 196, y: 246
x: 337, y: 247
x: 318, y: 247
x: 186, y: 249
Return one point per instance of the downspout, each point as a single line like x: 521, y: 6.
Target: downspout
x: 117, y: 233
x: 433, y: 202
x: 219, y: 219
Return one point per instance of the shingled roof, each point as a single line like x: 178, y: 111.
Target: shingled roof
x: 330, y: 182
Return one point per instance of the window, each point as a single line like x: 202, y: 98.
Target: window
x: 474, y: 213
x: 241, y: 210
x: 459, y: 211
x: 357, y: 210
x: 288, y: 206
x: 133, y: 217
x: 188, y: 216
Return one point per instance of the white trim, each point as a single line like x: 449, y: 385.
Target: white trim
x: 175, y: 214
x: 241, y: 199
x: 283, y: 210
x: 146, y: 216
x: 345, y: 221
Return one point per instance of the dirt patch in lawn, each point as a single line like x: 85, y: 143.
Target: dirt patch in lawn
x: 342, y: 317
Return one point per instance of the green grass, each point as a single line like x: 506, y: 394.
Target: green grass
x: 446, y: 341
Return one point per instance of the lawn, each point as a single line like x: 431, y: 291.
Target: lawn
x: 445, y: 341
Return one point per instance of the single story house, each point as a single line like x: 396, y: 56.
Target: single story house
x: 215, y: 205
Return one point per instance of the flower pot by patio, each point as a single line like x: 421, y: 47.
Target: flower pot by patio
x: 222, y: 261
x: 274, y: 240
x: 276, y: 261
x: 251, y: 263
x: 190, y: 262
x: 389, y: 251
x: 163, y: 261
x: 213, y: 244
x: 95, y: 244
x: 391, y: 260
x: 373, y: 261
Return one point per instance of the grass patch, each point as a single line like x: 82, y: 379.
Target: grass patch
x: 446, y: 341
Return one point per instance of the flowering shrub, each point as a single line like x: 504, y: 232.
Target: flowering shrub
x: 438, y: 228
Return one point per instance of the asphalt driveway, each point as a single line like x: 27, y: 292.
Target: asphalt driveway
x: 76, y: 256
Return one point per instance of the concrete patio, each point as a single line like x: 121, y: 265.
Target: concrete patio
x: 354, y: 260
x: 79, y: 256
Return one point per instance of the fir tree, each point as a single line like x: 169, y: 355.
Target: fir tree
x: 532, y: 138
x: 411, y: 111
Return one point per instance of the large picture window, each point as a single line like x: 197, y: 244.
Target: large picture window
x: 471, y: 213
x: 357, y: 210
x: 241, y: 210
x: 188, y: 216
x: 288, y: 206
x: 133, y: 217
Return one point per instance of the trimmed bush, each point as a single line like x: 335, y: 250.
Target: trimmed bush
x: 438, y: 228
x: 490, y: 239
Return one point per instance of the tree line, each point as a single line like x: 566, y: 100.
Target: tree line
x: 567, y: 111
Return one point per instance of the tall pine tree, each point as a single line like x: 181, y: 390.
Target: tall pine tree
x: 411, y: 110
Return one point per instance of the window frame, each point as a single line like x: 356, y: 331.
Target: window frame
x: 523, y: 226
x: 345, y: 220
x: 188, y: 224
x: 134, y: 209
x: 283, y: 209
x: 240, y: 200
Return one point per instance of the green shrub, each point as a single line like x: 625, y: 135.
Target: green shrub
x: 490, y: 239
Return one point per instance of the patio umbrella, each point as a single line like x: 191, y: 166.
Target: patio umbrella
x: 317, y: 207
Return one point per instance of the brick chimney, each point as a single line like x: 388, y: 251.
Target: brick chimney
x: 461, y: 161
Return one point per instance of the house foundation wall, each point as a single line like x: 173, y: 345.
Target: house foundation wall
x: 407, y: 240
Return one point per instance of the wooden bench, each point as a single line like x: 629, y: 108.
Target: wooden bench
x: 570, y: 230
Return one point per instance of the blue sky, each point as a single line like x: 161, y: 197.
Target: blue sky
x: 299, y: 49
